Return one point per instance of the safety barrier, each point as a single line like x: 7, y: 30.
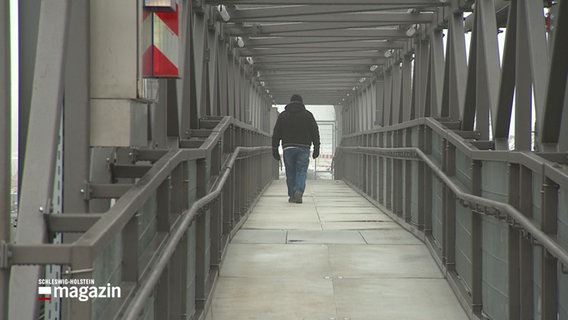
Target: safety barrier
x: 495, y: 221
x: 162, y: 241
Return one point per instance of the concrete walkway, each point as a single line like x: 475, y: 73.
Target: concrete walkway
x: 335, y: 256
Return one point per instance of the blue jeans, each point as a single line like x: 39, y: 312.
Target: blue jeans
x: 296, y: 161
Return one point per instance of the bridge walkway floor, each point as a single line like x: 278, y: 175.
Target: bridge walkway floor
x: 335, y: 256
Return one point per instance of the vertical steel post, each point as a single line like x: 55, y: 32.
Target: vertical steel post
x: 76, y: 111
x: 406, y: 97
x: 177, y: 280
x: 28, y: 16
x: 421, y: 80
x: 408, y: 180
x: 201, y: 272
x: 526, y: 269
x: 5, y: 151
x: 523, y: 85
x: 476, y: 242
x: 187, y: 80
x: 375, y: 169
x: 488, y: 61
x: 387, y: 117
x: 380, y: 85
x: 41, y: 150
x: 76, y: 122
x: 537, y: 50
x: 436, y: 72
x: 163, y: 199
x: 398, y: 165
x: 458, y: 65
x: 507, y: 86
x: 556, y: 103
x: 389, y: 174
x: 549, y: 223
x: 421, y: 179
x: 449, y: 211
x: 162, y: 296
x: 158, y: 113
x: 130, y: 250
x: 427, y: 186
x: 470, y: 101
x: 514, y: 243
x: 396, y: 94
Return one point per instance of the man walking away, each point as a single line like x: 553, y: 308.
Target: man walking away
x: 297, y: 129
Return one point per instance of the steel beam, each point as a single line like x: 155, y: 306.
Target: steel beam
x: 186, y: 96
x: 344, y: 59
x: 507, y: 85
x: 532, y: 19
x: 421, y: 76
x: 436, y: 72
x: 200, y: 63
x: 40, y: 254
x: 71, y: 222
x: 41, y: 148
x: 76, y: 109
x: 241, y: 15
x: 468, y: 116
x: 5, y: 151
x: 316, y: 43
x: 432, y: 3
x: 212, y: 67
x: 523, y: 84
x: 158, y: 114
x: 388, y: 98
x: 382, y: 18
x: 556, y: 101
x: 379, y: 109
x: 28, y: 21
x: 458, y: 66
x: 345, y: 34
x: 293, y: 53
x: 258, y: 30
x: 406, y: 96
x: 342, y: 40
x: 549, y: 224
x: 486, y: 66
x: 396, y: 94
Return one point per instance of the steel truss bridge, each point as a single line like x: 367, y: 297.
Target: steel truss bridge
x: 142, y: 181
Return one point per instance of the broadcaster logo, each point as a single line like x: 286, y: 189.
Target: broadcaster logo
x: 82, y: 293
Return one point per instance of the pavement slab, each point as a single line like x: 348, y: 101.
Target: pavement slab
x: 335, y: 256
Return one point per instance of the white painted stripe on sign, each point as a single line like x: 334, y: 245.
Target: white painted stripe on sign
x: 166, y: 41
x: 44, y: 290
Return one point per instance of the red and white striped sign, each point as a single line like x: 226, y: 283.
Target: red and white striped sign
x: 161, y: 42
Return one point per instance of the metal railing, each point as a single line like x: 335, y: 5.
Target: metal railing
x: 496, y: 221
x: 163, y: 239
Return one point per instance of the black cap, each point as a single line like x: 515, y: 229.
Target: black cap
x: 296, y: 98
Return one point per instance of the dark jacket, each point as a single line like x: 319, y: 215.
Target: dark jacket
x: 296, y: 127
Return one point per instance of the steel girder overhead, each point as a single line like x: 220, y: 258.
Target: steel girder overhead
x: 321, y: 49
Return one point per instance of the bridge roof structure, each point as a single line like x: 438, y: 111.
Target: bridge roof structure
x: 323, y: 50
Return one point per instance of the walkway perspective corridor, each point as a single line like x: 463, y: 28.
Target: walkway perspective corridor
x: 336, y: 256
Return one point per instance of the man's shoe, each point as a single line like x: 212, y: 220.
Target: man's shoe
x: 291, y: 200
x: 298, y: 197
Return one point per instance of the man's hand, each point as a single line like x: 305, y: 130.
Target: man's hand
x: 316, y: 152
x: 275, y: 154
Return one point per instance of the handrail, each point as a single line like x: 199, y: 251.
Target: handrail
x: 103, y: 231
x: 529, y: 158
x: 81, y: 254
x: 146, y: 288
x: 547, y: 242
